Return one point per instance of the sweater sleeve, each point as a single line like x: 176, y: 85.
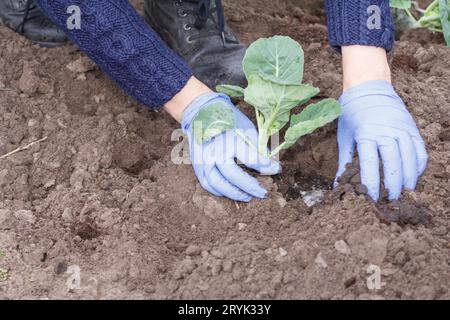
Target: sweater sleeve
x: 360, y: 22
x: 113, y: 35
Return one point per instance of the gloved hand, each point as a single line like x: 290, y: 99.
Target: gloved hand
x: 214, y: 161
x: 377, y: 121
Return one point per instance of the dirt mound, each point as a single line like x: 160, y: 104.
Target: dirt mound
x: 100, y: 197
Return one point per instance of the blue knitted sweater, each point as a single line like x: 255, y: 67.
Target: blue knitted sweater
x: 123, y: 45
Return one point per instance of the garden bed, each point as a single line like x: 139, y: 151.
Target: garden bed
x: 101, y: 192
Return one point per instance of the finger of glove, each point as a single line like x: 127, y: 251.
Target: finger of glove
x: 205, y: 185
x: 392, y: 166
x: 242, y: 180
x: 346, y: 145
x: 201, y: 162
x: 369, y: 166
x: 221, y: 185
x: 409, y: 160
x: 422, y: 155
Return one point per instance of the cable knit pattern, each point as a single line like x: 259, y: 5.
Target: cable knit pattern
x: 348, y: 23
x: 123, y: 45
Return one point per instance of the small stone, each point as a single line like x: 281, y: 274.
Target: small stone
x: 49, y: 183
x: 67, y: 215
x: 320, y: 261
x: 99, y: 98
x: 193, y: 250
x: 81, y: 77
x: 282, y: 202
x: 241, y: 226
x: 282, y: 252
x: 81, y: 65
x: 32, y: 122
x: 342, y: 247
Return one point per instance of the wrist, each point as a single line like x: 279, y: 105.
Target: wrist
x: 364, y: 63
x: 179, y: 103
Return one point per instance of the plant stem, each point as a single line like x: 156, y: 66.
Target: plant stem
x: 432, y: 6
x: 263, y: 139
x: 408, y: 12
x: 433, y: 18
x: 433, y: 29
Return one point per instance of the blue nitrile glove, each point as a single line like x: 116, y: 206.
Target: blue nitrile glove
x: 214, y: 161
x: 376, y: 119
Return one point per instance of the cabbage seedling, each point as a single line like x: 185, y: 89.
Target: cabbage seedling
x: 274, y: 70
x: 436, y: 17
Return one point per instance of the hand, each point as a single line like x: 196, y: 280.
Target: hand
x: 377, y: 121
x: 213, y: 161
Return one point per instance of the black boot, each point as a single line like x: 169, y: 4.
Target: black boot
x: 25, y: 17
x: 198, y: 32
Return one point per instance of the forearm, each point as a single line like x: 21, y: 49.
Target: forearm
x: 113, y: 35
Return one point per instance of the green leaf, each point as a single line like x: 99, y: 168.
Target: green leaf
x: 275, y: 101
x: 311, y: 118
x: 400, y: 4
x: 279, y: 59
x: 230, y: 90
x: 212, y: 121
x: 444, y: 13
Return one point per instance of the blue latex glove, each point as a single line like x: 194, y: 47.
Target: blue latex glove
x: 377, y: 121
x: 214, y: 161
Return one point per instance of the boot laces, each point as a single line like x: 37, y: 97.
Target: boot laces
x: 203, y: 13
x: 29, y: 5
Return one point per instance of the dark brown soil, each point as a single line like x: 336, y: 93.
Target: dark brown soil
x: 101, y: 193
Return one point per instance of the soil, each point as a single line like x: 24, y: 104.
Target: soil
x: 101, y: 196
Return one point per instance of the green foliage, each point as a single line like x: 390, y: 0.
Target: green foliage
x: 313, y: 117
x: 400, y: 4
x: 231, y: 91
x: 436, y: 17
x: 444, y: 13
x: 211, y: 121
x: 274, y: 70
x: 278, y: 59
